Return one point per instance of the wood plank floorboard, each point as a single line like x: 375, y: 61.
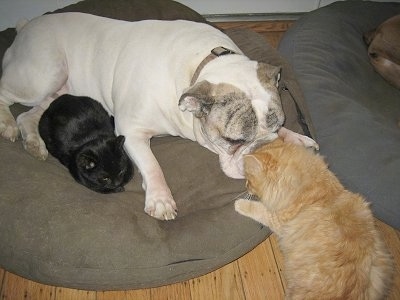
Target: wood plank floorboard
x: 71, y: 294
x: 171, y: 292
x: 278, y: 258
x: 271, y: 30
x: 261, y: 278
x: 16, y: 287
x: 224, y: 283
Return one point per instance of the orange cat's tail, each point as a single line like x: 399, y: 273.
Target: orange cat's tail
x: 381, y: 273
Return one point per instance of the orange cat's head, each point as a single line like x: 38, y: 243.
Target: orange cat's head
x: 278, y: 172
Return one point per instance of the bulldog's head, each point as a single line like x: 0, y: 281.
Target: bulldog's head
x: 235, y: 117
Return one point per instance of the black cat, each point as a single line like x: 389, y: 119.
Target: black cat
x: 80, y: 134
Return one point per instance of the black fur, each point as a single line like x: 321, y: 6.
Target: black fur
x: 80, y: 134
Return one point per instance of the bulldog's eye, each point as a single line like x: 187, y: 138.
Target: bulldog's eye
x: 235, y: 141
x: 271, y: 119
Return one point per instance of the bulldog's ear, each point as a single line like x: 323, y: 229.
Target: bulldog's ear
x: 198, y: 99
x: 268, y: 74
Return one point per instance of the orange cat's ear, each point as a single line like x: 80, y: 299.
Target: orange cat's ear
x: 253, y: 162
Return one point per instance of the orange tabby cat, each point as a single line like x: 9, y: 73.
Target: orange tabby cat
x: 326, y: 233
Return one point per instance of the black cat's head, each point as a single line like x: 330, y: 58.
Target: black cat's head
x: 103, y: 165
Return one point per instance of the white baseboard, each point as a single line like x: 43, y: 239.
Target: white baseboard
x: 251, y: 17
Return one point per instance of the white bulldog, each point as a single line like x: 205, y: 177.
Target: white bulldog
x: 156, y: 78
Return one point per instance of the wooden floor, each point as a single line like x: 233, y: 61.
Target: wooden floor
x: 256, y: 275
x: 271, y: 30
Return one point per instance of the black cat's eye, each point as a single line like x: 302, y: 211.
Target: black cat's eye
x: 106, y: 179
x: 90, y: 165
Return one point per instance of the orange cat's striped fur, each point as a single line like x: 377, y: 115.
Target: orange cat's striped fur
x: 327, y: 234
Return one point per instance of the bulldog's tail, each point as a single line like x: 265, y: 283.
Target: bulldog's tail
x: 20, y: 24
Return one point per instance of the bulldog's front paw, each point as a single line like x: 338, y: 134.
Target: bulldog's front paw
x: 308, y: 142
x: 161, y: 207
x: 35, y: 146
x: 289, y: 136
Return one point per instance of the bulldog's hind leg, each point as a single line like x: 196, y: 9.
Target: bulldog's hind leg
x: 28, y: 124
x: 31, y: 75
x: 8, y: 126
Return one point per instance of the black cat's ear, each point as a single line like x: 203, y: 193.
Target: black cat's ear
x: 119, y: 141
x: 86, y: 162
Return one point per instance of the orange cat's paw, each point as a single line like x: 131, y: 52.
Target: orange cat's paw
x: 249, y: 208
x: 242, y: 206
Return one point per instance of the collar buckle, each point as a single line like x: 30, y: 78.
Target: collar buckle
x: 219, y: 51
x: 216, y: 52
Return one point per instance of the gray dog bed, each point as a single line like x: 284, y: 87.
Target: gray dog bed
x: 354, y: 110
x: 55, y: 231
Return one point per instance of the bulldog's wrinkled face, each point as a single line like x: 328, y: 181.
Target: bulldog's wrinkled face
x: 231, y: 123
